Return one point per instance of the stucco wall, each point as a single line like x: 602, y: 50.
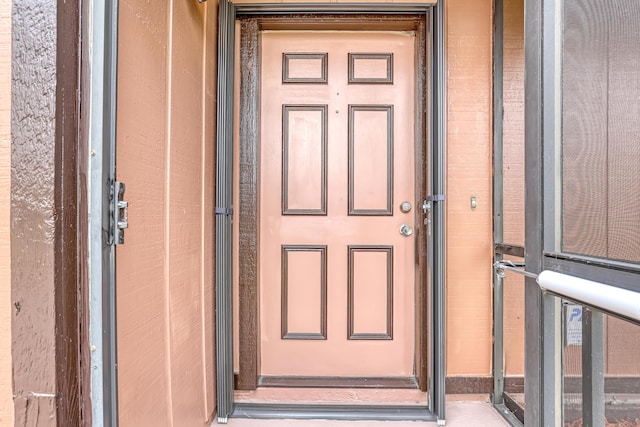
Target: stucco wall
x: 469, y: 172
x: 6, y: 392
x: 165, y: 155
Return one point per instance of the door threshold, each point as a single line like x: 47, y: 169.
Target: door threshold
x: 333, y: 412
x: 333, y: 396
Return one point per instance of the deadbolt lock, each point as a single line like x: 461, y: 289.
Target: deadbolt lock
x: 405, y: 207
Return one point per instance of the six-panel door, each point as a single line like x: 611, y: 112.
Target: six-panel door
x: 337, y: 277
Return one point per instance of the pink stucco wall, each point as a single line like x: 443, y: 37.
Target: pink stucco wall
x: 165, y: 155
x: 469, y: 173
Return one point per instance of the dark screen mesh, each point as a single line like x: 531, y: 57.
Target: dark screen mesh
x: 601, y: 129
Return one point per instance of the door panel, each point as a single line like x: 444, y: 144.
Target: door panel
x: 370, y: 299
x: 370, y: 159
x: 304, y: 292
x: 304, y: 168
x: 337, y: 278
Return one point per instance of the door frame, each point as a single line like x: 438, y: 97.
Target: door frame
x: 98, y: 172
x: 248, y: 377
x: 434, y: 273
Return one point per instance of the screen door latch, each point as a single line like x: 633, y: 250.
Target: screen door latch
x: 427, y: 205
x: 119, y: 213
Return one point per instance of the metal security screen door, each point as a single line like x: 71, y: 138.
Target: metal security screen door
x: 290, y: 204
x: 581, y: 145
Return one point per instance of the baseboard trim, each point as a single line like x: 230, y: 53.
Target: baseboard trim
x: 481, y: 385
x: 469, y: 385
x: 619, y: 385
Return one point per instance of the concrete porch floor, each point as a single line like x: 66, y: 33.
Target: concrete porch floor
x: 462, y: 411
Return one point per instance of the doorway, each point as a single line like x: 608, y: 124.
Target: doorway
x: 336, y: 274
x: 331, y: 172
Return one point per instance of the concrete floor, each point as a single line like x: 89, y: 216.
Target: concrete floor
x: 462, y: 411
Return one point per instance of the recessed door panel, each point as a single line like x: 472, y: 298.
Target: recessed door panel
x: 304, y: 292
x: 370, y: 159
x: 304, y: 159
x: 370, y: 301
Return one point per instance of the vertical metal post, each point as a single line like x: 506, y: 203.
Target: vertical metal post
x: 431, y: 344
x: 498, y: 194
x: 103, y: 65
x: 498, y: 338
x: 109, y: 291
x: 439, y: 226
x: 592, y: 368
x: 224, y: 199
x: 548, y: 206
x: 552, y: 360
x: 533, y: 334
x: 542, y: 337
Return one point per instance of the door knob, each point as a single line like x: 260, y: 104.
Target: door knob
x: 406, y: 230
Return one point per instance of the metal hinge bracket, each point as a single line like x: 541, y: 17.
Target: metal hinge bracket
x: 436, y: 198
x: 224, y: 211
x: 426, y: 207
x: 119, y: 213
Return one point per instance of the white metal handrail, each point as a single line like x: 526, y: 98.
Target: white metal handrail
x: 611, y: 299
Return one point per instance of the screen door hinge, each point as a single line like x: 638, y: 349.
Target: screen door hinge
x: 119, y: 213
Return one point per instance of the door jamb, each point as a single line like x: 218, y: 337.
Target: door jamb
x: 248, y: 213
x: 100, y: 101
x: 224, y: 199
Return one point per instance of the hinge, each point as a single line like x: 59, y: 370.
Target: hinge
x: 426, y: 204
x: 224, y: 211
x: 119, y: 213
x: 436, y: 198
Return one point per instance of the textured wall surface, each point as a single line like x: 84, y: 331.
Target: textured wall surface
x: 32, y: 213
x: 6, y: 392
x: 165, y: 155
x: 469, y: 172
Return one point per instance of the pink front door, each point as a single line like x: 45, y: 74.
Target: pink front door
x: 337, y: 263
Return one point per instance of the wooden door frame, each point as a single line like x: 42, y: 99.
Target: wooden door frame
x: 432, y: 154
x: 248, y: 377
